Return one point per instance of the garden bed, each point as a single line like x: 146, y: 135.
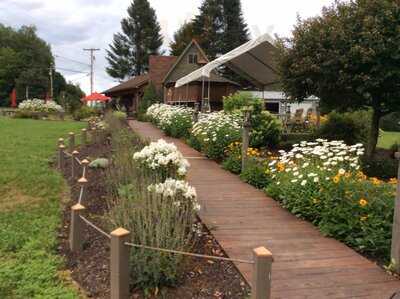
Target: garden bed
x: 202, y: 278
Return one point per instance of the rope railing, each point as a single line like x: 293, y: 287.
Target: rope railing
x: 215, y: 257
x: 119, y: 239
x: 91, y: 224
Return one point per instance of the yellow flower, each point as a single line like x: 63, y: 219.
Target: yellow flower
x: 280, y: 166
x: 363, y: 202
x: 336, y: 179
x: 361, y: 175
x: 375, y: 181
x: 347, y: 174
x: 315, y: 201
x: 393, y: 181
x: 363, y: 218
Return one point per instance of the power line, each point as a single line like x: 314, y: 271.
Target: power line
x: 76, y: 61
x: 69, y: 70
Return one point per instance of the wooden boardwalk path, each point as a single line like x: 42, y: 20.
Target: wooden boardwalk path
x: 306, y: 264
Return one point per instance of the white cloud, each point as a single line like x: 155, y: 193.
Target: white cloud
x: 69, y: 26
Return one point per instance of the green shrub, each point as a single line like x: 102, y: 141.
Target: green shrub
x: 233, y: 160
x: 381, y: 167
x: 391, y: 122
x: 85, y: 112
x: 266, y: 130
x: 254, y: 173
x: 241, y: 99
x: 289, y: 139
x: 351, y: 127
x: 119, y: 115
x: 149, y: 98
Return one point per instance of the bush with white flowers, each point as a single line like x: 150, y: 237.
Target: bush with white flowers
x: 175, y: 121
x: 320, y: 181
x: 163, y: 159
x: 37, y: 105
x: 215, y: 131
x: 179, y: 191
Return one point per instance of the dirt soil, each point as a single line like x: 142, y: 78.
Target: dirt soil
x: 202, y: 278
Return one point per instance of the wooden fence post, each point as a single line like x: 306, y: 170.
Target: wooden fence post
x: 76, y: 228
x: 245, y: 136
x: 395, y: 249
x: 71, y: 143
x: 61, y: 149
x: 60, y: 141
x: 119, y: 264
x: 196, y: 112
x: 74, y: 154
x: 84, y: 136
x: 261, y: 285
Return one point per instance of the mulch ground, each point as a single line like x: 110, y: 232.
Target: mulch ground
x: 202, y: 278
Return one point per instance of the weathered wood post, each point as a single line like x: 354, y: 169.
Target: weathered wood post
x: 76, y: 228
x: 196, y: 112
x: 261, y: 276
x: 71, y: 143
x: 318, y: 112
x: 61, y: 149
x: 245, y: 135
x: 395, y: 250
x: 84, y: 136
x: 60, y: 141
x: 119, y: 264
x: 74, y: 154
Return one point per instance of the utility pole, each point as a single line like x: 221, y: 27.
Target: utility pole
x: 91, y: 50
x: 51, y: 81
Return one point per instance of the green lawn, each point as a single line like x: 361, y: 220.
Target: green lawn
x: 387, y: 139
x: 30, y: 209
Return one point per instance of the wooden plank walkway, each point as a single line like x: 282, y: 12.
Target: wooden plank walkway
x: 307, y: 264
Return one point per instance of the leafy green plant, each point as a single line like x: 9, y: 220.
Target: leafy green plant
x: 85, y: 112
x: 351, y: 127
x: 266, y: 129
x: 241, y: 99
x: 150, y: 97
x: 391, y: 122
x: 255, y: 174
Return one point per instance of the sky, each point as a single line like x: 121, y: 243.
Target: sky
x: 69, y: 26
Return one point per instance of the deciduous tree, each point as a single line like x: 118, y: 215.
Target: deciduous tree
x: 349, y: 57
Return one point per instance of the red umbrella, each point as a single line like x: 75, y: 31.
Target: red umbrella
x: 96, y: 97
x: 13, y: 98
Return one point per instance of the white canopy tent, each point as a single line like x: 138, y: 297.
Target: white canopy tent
x: 253, y: 60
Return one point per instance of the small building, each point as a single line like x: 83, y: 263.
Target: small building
x: 163, y: 73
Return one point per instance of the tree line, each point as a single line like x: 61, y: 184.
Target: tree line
x: 25, y: 62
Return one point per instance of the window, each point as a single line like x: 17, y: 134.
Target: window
x: 193, y: 58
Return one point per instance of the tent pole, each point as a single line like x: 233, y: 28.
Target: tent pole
x: 208, y: 96
x: 264, y: 101
x: 202, y: 95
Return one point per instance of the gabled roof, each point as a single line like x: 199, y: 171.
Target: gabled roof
x: 196, y: 44
x: 159, y: 66
x: 133, y: 83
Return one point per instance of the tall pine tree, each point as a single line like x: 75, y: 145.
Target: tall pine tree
x: 140, y: 37
x: 182, y: 37
x: 208, y: 26
x: 235, y: 31
x: 219, y: 28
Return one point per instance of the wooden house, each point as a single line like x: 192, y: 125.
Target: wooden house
x: 164, y: 71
